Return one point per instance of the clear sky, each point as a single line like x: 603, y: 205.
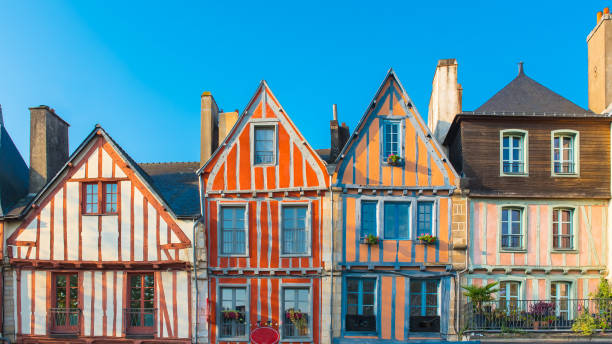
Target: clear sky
x: 139, y: 67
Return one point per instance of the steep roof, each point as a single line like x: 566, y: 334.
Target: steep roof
x: 14, y: 173
x: 523, y: 94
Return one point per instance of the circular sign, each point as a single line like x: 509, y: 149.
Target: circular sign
x: 265, y: 335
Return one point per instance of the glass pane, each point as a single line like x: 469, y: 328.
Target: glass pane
x: 74, y: 280
x: 135, y: 281
x: 148, y: 281
x: 368, y: 285
x: 352, y: 285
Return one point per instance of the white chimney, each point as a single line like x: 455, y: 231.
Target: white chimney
x: 445, y: 100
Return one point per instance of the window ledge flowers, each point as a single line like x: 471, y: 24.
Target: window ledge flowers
x: 427, y: 239
x: 232, y: 314
x: 394, y: 160
x: 370, y: 239
x: 297, y: 318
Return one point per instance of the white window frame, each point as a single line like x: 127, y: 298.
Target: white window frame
x: 524, y: 221
x: 570, y: 293
x: 247, y: 309
x: 284, y: 286
x: 575, y: 151
x: 308, y: 235
x: 514, y: 132
x: 400, y: 143
x: 518, y: 296
x: 574, y: 223
x: 244, y: 205
x: 266, y: 123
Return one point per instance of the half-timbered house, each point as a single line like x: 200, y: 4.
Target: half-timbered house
x: 265, y: 196
x: 392, y: 186
x: 99, y: 255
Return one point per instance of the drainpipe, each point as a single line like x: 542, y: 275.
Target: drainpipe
x: 195, y: 266
x: 459, y: 273
x: 331, y: 296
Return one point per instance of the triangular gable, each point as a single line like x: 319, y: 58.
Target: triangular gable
x: 297, y: 165
x: 424, y: 164
x: 56, y: 228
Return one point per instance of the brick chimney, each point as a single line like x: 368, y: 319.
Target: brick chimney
x: 339, y: 135
x: 209, y: 127
x: 48, y: 146
x: 599, y: 45
x: 445, y: 100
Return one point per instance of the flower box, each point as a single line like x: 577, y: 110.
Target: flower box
x: 369, y: 240
x: 427, y: 239
x: 394, y: 160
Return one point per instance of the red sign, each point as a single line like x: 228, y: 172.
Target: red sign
x: 265, y: 335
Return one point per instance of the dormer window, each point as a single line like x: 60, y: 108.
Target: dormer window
x: 513, y: 152
x: 392, y: 144
x: 564, y: 153
x: 265, y: 147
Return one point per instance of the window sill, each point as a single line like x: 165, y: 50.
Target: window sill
x: 565, y: 175
x: 100, y: 214
x: 297, y: 255
x: 263, y: 165
x: 355, y: 334
x: 509, y: 250
x: 514, y: 174
x: 233, y: 339
x: 297, y: 340
x: 220, y: 255
x: 566, y: 250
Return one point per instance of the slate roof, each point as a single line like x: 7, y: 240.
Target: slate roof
x: 14, y: 173
x: 177, y: 183
x: 523, y: 94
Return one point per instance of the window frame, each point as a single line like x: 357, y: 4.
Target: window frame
x: 525, y: 136
x: 377, y: 296
x: 400, y: 144
x: 282, y: 321
x: 308, y: 227
x: 432, y: 220
x: 524, y: 220
x: 573, y: 236
x: 101, y: 198
x: 376, y: 217
x: 264, y: 123
x: 68, y: 329
x: 411, y: 218
x: 222, y: 205
x: 570, y: 294
x: 218, y: 306
x: 137, y: 330
x: 575, y: 135
x: 507, y: 299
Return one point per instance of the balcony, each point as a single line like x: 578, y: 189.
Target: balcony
x: 140, y: 321
x: 536, y: 315
x: 65, y: 321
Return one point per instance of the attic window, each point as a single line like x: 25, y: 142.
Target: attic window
x: 100, y: 198
x: 265, y: 145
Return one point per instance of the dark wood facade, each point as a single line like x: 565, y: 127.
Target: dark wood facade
x: 474, y: 150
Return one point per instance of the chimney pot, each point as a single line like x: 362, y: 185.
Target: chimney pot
x: 520, y: 68
x: 335, y: 112
x: 606, y: 10
x: 599, y: 14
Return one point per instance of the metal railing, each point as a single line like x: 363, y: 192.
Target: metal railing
x: 564, y: 167
x: 140, y: 320
x: 65, y: 320
x: 514, y: 167
x: 534, y: 315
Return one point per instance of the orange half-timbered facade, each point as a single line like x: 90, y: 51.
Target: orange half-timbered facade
x: 98, y: 256
x: 396, y: 194
x: 265, y: 192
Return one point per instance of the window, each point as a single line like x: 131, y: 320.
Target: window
x: 295, y: 240
x: 559, y: 295
x: 65, y: 312
x: 424, y: 315
x: 264, y: 146
x: 513, y: 153
x: 360, y: 305
x: 368, y: 218
x: 564, y: 153
x: 424, y: 218
x: 233, y: 312
x: 141, y: 312
x: 562, y: 229
x: 100, y: 198
x: 509, y: 295
x: 512, y: 228
x: 392, y: 138
x: 397, y: 220
x: 296, y: 308
x: 233, y: 230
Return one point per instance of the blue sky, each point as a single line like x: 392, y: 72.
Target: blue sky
x: 139, y: 67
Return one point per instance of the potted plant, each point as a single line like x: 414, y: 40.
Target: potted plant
x: 394, y: 160
x: 232, y: 314
x: 478, y: 296
x: 298, y: 319
x: 542, y: 312
x: 370, y: 239
x: 427, y: 239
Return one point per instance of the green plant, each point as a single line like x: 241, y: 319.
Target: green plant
x: 371, y: 239
x: 393, y: 159
x: 478, y: 295
x: 428, y: 238
x: 584, y: 323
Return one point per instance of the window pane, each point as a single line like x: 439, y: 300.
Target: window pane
x: 110, y: 199
x: 294, y: 230
x: 368, y: 218
x: 264, y: 145
x: 233, y: 230
x: 397, y: 220
x: 391, y: 138
x: 233, y: 312
x: 296, y: 308
x: 424, y: 218
x: 91, y: 198
x: 361, y: 313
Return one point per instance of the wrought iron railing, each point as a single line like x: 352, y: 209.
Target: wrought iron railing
x: 534, y: 315
x: 65, y: 320
x: 140, y: 320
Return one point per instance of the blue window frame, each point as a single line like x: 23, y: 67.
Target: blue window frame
x: 264, y: 146
x: 424, y: 218
x: 392, y: 138
x: 233, y: 230
x: 368, y: 218
x: 295, y: 240
x: 424, y: 297
x: 397, y: 220
x: 512, y: 228
x: 360, y: 305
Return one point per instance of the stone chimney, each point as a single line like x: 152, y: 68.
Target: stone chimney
x: 599, y: 45
x: 209, y: 127
x: 48, y: 146
x: 339, y: 135
x: 445, y: 100
x: 226, y: 123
